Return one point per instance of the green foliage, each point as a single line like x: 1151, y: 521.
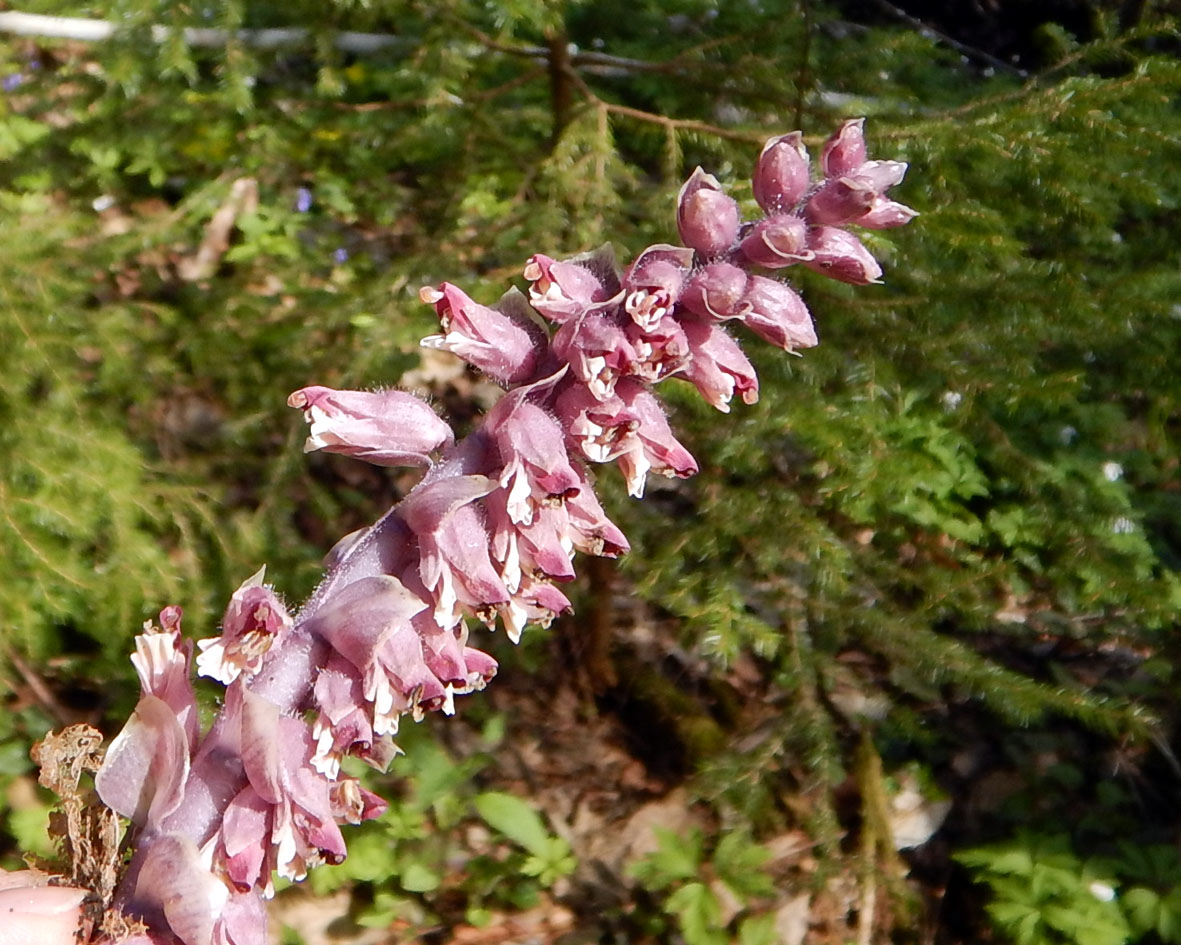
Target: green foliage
x: 1043, y: 893
x: 549, y: 857
x: 681, y: 872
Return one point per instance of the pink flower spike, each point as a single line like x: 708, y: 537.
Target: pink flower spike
x: 654, y: 282
x: 715, y: 291
x: 717, y: 367
x: 707, y: 218
x: 844, y: 151
x: 777, y: 314
x: 842, y: 256
x: 782, y: 173
x: 778, y: 241
x: 386, y: 428
x: 36, y: 913
x: 493, y: 340
x: 254, y: 618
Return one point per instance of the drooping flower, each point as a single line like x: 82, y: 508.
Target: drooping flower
x: 454, y: 563
x: 717, y: 367
x: 854, y: 190
x: 498, y: 341
x: 387, y: 428
x: 651, y: 445
x: 535, y: 469
x: 253, y: 621
x: 653, y: 283
x: 841, y: 255
x: 285, y: 819
x: 562, y: 290
x: 777, y: 314
x: 715, y: 291
x: 597, y: 350
x: 777, y: 241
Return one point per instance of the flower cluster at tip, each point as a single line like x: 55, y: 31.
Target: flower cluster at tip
x: 488, y: 535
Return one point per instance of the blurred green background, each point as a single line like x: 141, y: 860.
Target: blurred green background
x: 933, y: 572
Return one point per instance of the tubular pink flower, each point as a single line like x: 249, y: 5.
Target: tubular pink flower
x: 778, y: 241
x: 660, y: 350
x: 163, y: 662
x: 715, y: 291
x: 781, y: 175
x: 707, y: 218
x: 597, y: 350
x: 591, y: 531
x: 777, y: 314
x: 844, y: 151
x: 652, y: 445
x: 497, y: 341
x: 653, y: 283
x: 859, y: 197
x: 564, y: 290
x: 717, y: 367
x: 535, y: 469
x: 598, y: 429
x: 842, y: 256
x: 253, y: 621
x: 386, y: 428
x: 145, y: 768
x: 454, y: 565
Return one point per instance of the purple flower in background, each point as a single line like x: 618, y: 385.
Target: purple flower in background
x: 303, y: 203
x: 340, y: 255
x: 12, y: 81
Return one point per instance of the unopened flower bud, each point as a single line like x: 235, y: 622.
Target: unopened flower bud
x: 781, y: 175
x: 844, y: 152
x: 840, y: 200
x: 714, y: 292
x: 778, y: 241
x: 706, y: 217
x: 842, y: 256
x: 777, y: 314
